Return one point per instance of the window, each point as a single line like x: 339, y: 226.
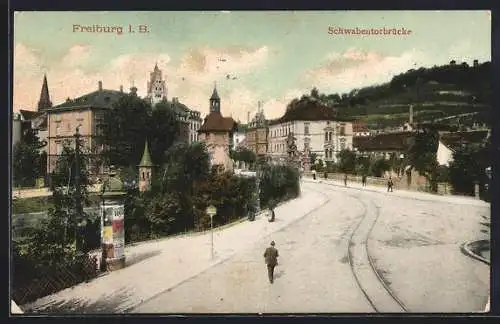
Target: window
x: 342, y: 130
x: 306, y: 128
x: 326, y: 154
x: 330, y: 136
x: 58, y: 128
x: 326, y: 137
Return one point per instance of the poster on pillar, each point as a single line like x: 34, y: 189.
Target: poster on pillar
x: 118, y: 230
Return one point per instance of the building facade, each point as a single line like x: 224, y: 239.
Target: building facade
x: 195, y: 121
x: 218, y: 132
x: 316, y: 127
x: 86, y: 113
x: 256, y: 137
x: 240, y: 136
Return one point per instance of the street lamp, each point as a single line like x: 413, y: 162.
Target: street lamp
x: 80, y: 222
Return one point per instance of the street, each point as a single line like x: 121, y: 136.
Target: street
x: 414, y: 245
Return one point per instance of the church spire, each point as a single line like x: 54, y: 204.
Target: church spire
x: 215, y: 100
x: 146, y: 158
x: 44, y: 101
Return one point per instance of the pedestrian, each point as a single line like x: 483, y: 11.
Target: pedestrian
x: 345, y: 179
x: 363, y: 180
x: 314, y: 174
x: 271, y: 257
x: 389, y: 184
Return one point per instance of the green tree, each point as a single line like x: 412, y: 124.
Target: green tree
x: 163, y: 130
x: 55, y: 239
x: 347, y: 161
x: 312, y: 157
x: 243, y: 154
x: 467, y: 168
x: 27, y: 160
x: 379, y: 166
x: 423, y: 155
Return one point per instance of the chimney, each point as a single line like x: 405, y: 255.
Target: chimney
x: 411, y: 115
x: 248, y: 117
x: 121, y: 88
x: 100, y: 85
x: 476, y: 63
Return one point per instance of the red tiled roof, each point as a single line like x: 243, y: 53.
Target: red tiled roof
x: 456, y: 139
x: 29, y: 114
x: 215, y: 122
x: 383, y: 142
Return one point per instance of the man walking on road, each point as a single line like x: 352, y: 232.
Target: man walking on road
x: 271, y: 257
x: 389, y: 184
x: 363, y: 180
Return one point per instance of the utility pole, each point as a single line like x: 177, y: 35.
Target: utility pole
x: 78, y: 200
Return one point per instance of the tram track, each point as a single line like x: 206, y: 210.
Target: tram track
x: 371, y: 283
x: 369, y: 280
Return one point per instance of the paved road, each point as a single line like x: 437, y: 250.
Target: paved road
x: 414, y: 245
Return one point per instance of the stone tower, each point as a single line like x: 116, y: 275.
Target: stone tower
x: 157, y: 89
x: 44, y: 101
x: 215, y: 101
x: 145, y: 170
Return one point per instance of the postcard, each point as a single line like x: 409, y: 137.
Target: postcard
x: 251, y: 162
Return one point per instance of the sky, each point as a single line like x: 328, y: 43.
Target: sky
x: 271, y: 57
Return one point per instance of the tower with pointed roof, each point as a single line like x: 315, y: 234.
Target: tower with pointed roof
x: 44, y: 102
x: 215, y: 101
x: 146, y: 167
x: 157, y: 89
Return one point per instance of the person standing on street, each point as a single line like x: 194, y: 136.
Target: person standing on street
x: 271, y: 257
x: 314, y: 174
x: 345, y: 179
x: 389, y: 184
x: 363, y: 180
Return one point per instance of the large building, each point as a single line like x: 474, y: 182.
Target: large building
x: 217, y: 132
x: 157, y: 88
x: 157, y: 93
x: 316, y: 127
x: 87, y: 113
x: 256, y: 137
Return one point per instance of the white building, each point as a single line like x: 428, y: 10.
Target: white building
x: 239, y: 137
x: 316, y: 128
x: 444, y: 154
x: 195, y: 122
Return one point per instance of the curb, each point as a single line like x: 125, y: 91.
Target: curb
x: 331, y: 183
x: 465, y: 248
x: 130, y: 309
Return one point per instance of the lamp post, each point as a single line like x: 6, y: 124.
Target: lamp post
x: 211, y: 211
x: 80, y: 222
x: 112, y: 222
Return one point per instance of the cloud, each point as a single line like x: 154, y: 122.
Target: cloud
x: 76, y: 57
x: 191, y: 80
x: 354, y: 68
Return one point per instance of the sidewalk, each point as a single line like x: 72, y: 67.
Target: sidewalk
x: 154, y: 267
x: 399, y: 192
